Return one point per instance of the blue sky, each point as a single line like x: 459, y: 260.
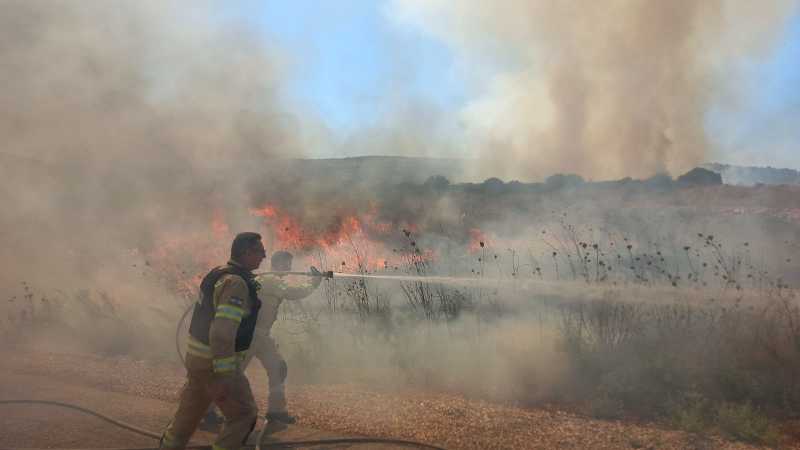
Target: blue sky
x: 766, y: 130
x: 346, y: 57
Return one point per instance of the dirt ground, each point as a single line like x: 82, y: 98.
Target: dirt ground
x: 143, y: 393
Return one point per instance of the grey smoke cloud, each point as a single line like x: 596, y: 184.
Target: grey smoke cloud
x: 99, y: 75
x: 121, y: 120
x: 604, y: 89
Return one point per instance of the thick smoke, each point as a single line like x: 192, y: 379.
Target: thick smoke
x: 604, y: 89
x: 122, y: 121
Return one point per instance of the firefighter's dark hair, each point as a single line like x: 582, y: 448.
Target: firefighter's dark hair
x: 281, y: 257
x: 243, y: 242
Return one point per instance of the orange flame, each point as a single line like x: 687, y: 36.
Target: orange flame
x: 477, y: 240
x: 350, y: 243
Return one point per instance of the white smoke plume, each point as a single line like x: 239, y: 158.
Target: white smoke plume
x: 603, y: 89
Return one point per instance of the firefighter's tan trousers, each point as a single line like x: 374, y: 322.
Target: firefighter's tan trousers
x: 238, y: 407
x: 265, y: 350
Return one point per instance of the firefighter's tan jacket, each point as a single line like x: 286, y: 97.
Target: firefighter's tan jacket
x: 277, y: 288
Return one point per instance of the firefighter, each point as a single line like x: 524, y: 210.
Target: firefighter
x: 221, y: 331
x: 275, y: 288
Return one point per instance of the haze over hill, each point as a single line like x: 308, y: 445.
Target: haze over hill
x: 390, y: 170
x: 748, y: 175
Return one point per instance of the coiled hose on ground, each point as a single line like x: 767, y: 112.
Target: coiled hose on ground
x: 287, y: 444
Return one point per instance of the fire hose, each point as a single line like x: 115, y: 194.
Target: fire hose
x: 287, y: 444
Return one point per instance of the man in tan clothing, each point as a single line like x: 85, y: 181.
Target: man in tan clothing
x: 275, y: 288
x: 222, y: 329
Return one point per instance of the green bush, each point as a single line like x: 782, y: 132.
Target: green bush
x: 694, y: 414
x: 745, y: 423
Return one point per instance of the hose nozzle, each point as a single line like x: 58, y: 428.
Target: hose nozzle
x: 314, y: 272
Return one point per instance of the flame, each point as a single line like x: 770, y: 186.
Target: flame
x: 477, y: 240
x: 349, y: 243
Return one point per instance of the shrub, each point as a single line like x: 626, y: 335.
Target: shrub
x: 694, y: 414
x: 697, y: 365
x: 745, y: 423
x: 700, y: 176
